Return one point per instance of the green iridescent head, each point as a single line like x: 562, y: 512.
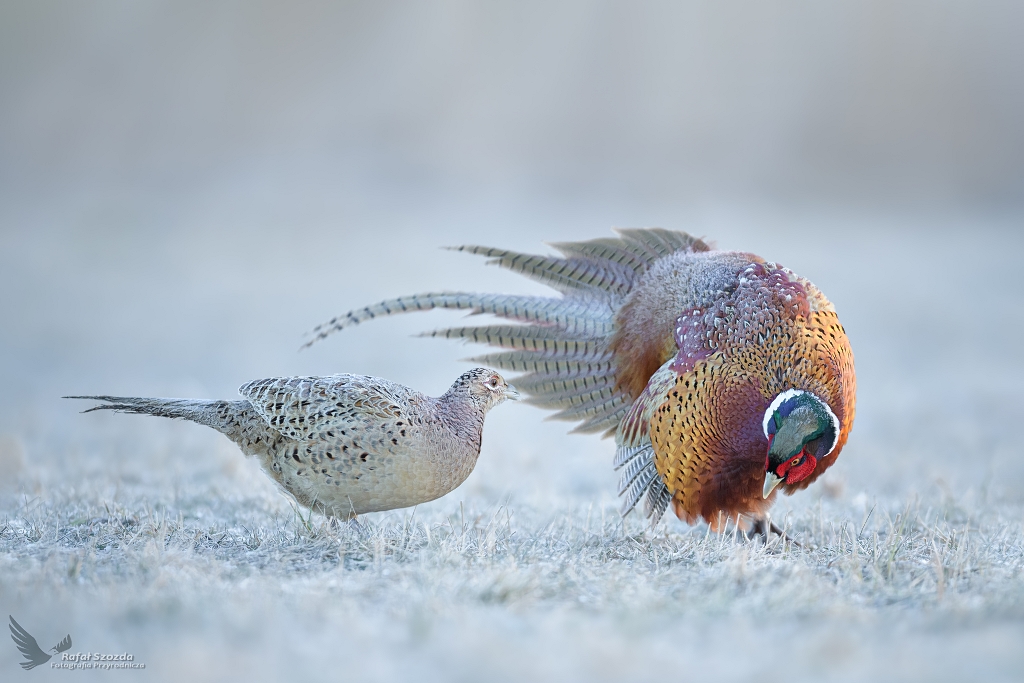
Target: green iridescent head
x: 801, y: 430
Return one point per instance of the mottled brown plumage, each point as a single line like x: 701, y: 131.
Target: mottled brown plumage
x: 721, y: 375
x: 348, y: 444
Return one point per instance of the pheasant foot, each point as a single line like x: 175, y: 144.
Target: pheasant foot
x: 764, y: 528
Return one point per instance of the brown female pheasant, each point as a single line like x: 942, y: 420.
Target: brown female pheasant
x: 723, y: 377
x: 347, y: 444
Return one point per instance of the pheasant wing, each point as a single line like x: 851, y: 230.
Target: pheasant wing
x: 635, y: 454
x: 304, y: 407
x: 28, y: 646
x: 634, y: 430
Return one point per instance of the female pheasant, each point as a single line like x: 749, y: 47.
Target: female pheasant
x: 723, y: 377
x: 347, y: 444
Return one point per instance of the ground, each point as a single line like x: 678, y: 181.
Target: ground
x: 157, y: 538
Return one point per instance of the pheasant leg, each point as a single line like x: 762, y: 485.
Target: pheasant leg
x: 764, y: 528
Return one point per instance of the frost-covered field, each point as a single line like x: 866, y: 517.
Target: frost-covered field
x: 187, y: 187
x: 158, y: 538
x: 520, y: 593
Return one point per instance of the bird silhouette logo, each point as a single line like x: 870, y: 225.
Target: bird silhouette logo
x: 30, y: 648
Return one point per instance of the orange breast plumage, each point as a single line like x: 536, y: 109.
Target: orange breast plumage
x: 775, y: 332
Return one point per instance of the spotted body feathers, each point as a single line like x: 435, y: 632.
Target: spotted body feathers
x: 348, y: 444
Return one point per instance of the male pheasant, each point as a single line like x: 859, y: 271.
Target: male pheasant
x: 722, y: 376
x: 348, y: 444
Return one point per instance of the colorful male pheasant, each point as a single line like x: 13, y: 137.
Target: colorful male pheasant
x: 722, y: 376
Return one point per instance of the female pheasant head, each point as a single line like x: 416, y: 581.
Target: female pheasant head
x: 801, y: 430
x: 485, y: 388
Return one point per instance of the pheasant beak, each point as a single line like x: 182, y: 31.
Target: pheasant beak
x: 512, y: 393
x: 771, y: 480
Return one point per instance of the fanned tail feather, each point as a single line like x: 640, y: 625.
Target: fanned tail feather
x: 653, y: 243
x: 561, y: 343
x: 585, y: 401
x: 605, y: 419
x: 545, y: 364
x: 543, y: 384
x: 574, y: 316
x: 605, y: 249
x: 598, y: 417
x: 528, y: 338
x: 564, y: 275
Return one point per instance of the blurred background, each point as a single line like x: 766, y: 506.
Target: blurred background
x: 187, y: 187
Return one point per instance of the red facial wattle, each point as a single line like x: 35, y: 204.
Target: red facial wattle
x: 794, y: 469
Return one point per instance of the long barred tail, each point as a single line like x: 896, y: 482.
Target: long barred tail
x: 220, y: 415
x: 562, y: 344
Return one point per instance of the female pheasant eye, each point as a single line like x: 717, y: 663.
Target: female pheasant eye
x: 493, y: 383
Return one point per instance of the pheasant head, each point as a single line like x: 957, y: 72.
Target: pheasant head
x: 481, y: 388
x: 801, y: 430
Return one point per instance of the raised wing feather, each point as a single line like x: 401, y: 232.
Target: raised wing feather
x: 634, y: 430
x: 301, y: 407
x: 635, y: 453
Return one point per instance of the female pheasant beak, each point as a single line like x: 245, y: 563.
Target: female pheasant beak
x: 492, y: 385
